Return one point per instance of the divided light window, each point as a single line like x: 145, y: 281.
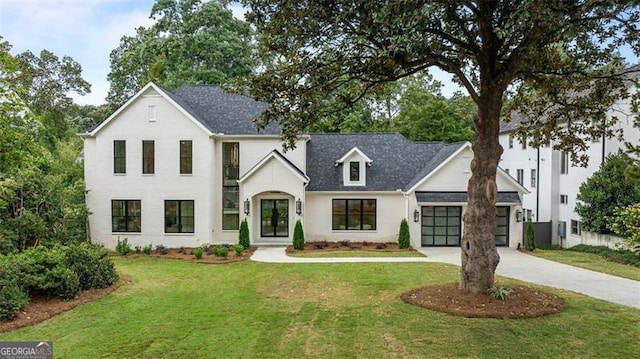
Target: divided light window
x: 534, y: 178
x: 575, y: 227
x: 148, y: 157
x: 126, y: 215
x: 520, y: 175
x: 179, y: 216
x: 354, y: 214
x: 354, y: 171
x: 230, y: 187
x: 119, y: 156
x: 186, y: 157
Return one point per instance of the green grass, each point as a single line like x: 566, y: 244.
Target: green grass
x: 589, y: 261
x: 356, y: 253
x: 176, y: 309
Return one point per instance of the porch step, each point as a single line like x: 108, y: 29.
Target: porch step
x: 271, y: 243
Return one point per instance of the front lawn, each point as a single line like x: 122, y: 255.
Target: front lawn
x: 589, y: 261
x: 174, y: 309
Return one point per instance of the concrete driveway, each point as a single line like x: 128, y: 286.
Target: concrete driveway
x: 513, y: 264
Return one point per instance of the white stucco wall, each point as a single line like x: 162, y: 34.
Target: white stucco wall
x: 133, y: 126
x: 390, y: 210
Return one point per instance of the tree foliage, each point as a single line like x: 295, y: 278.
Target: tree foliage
x: 41, y: 179
x: 192, y: 41
x: 558, y: 60
x: 605, y: 191
x: 625, y: 222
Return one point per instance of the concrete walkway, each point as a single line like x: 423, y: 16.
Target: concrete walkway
x: 513, y: 264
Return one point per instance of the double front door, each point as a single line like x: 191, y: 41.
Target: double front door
x: 274, y: 218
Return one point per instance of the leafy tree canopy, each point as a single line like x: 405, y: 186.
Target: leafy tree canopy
x: 192, y: 41
x: 557, y: 60
x: 605, y: 191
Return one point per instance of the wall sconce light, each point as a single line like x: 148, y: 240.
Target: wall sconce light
x: 298, y: 207
x: 247, y: 206
x: 416, y: 216
x: 518, y: 215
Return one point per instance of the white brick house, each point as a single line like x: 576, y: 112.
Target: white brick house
x: 184, y: 167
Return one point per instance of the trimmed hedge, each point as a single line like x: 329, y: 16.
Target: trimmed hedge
x: 620, y: 256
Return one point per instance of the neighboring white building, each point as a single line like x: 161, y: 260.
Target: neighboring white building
x: 184, y: 167
x: 553, y: 180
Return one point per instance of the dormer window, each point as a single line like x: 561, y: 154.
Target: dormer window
x: 354, y: 171
x: 354, y: 167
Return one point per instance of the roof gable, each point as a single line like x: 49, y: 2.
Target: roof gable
x: 150, y: 87
x: 275, y: 155
x: 353, y: 151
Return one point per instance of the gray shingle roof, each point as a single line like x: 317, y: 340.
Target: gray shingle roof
x: 397, y: 162
x: 461, y: 197
x: 220, y: 111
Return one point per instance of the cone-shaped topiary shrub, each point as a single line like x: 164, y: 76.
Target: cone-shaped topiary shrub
x: 243, y: 237
x: 530, y: 237
x: 298, y: 236
x: 404, y: 237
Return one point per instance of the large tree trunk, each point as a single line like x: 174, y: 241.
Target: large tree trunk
x: 479, y: 255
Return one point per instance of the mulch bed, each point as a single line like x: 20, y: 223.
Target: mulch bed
x: 523, y: 302
x: 187, y: 254
x: 324, y: 246
x: 41, y: 308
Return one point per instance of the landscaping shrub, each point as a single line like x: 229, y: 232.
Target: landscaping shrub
x: 500, y: 291
x: 92, y: 265
x: 123, y: 247
x: 298, y: 236
x: 243, y: 236
x: 530, y: 237
x: 239, y: 249
x: 221, y: 251
x: 198, y: 252
x: 620, y: 256
x: 147, y: 249
x: 45, y: 272
x: 162, y: 249
x: 404, y: 236
x: 12, y: 295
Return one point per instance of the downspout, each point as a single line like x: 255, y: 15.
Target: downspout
x: 538, y: 185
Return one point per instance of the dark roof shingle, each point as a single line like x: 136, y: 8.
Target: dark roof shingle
x: 397, y: 162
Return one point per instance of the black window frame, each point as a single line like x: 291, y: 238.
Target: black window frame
x: 510, y: 141
x: 148, y: 157
x: 350, y: 218
x: 230, y: 186
x: 126, y: 217
x: 119, y: 157
x: 186, y: 157
x: 179, y: 217
x: 354, y: 171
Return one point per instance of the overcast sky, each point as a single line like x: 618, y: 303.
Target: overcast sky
x: 87, y: 30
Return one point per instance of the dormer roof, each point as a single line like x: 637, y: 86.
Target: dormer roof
x: 353, y: 151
